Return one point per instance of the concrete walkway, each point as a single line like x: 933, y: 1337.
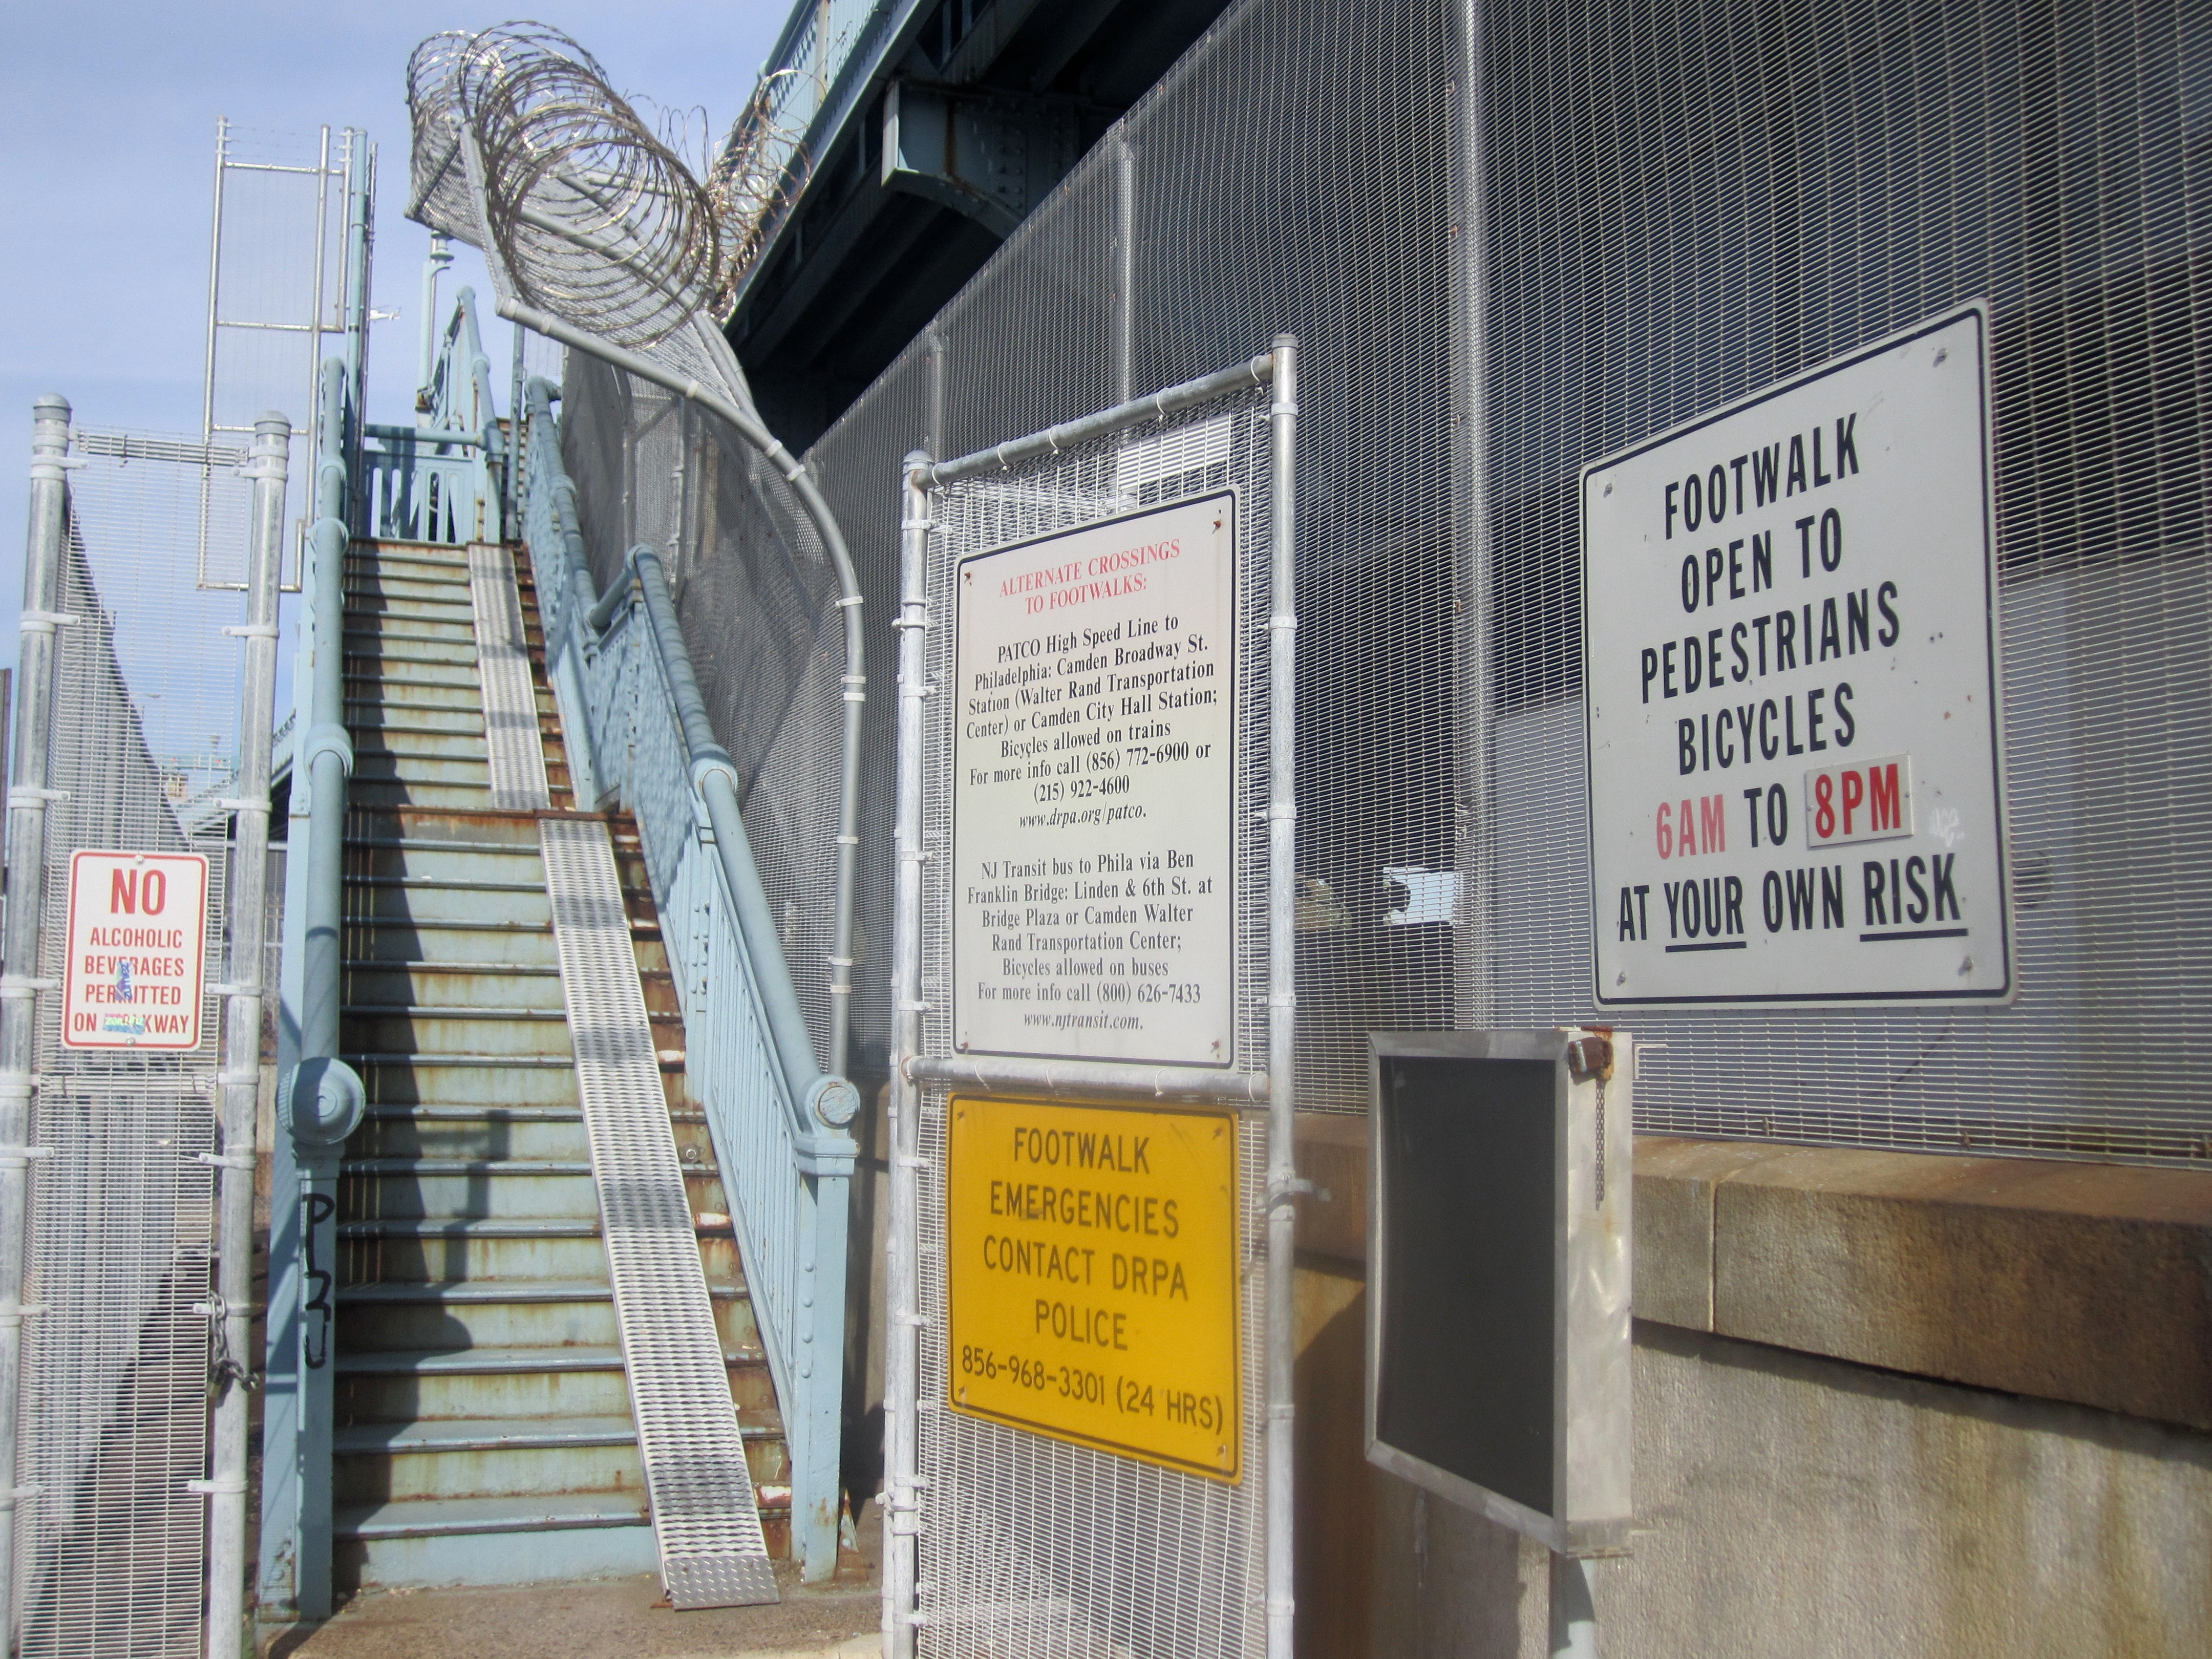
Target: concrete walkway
x: 603, y: 1619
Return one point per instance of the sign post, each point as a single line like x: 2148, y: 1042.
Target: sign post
x: 1795, y: 761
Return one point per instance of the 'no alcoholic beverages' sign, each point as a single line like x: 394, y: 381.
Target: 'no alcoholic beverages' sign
x: 138, y: 946
x: 1091, y: 1277
x: 1093, y: 772
x: 1796, y: 774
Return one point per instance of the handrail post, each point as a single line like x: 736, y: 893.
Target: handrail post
x: 26, y: 883
x: 483, y: 417
x: 433, y: 264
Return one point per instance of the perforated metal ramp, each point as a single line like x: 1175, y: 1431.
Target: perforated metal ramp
x: 704, y: 1514
x: 510, y: 700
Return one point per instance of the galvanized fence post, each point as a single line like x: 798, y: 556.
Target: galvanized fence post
x: 232, y: 1311
x: 1282, y: 995
x: 27, y: 886
x: 902, y: 1356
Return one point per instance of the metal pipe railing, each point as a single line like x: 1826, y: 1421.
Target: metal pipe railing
x: 20, y: 984
x: 819, y: 1097
x: 749, y: 429
x: 751, y: 1059
x: 233, y: 1362
x: 321, y: 1101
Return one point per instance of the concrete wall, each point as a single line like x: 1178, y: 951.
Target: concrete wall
x: 1800, y: 1503
x: 1794, y: 1505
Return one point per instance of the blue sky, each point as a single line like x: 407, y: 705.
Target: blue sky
x: 106, y: 153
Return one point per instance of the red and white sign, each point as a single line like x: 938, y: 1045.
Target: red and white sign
x: 1795, y: 764
x: 1865, y: 800
x: 137, y: 950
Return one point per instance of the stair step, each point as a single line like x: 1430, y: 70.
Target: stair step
x: 433, y: 1227
x: 447, y: 1517
x: 445, y: 844
x: 450, y: 682
x: 412, y: 1061
x: 512, y: 1167
x: 490, y: 1362
x: 484, y: 1434
x: 451, y: 1292
x: 441, y: 633
x: 479, y: 1113
x: 452, y: 965
x: 446, y: 884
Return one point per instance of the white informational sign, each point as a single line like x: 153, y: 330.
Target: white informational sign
x: 1094, y: 770
x: 138, y: 945
x: 1795, y: 777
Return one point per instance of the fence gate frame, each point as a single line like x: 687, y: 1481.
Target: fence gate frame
x: 916, y: 1502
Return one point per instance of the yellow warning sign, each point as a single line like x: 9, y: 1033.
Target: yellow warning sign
x: 1091, y: 1273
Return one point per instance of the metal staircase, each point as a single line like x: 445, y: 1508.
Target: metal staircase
x: 483, y: 1425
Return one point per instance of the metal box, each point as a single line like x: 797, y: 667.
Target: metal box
x: 1499, y: 1181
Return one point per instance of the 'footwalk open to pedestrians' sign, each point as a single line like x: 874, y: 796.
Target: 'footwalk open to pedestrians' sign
x: 1796, y: 768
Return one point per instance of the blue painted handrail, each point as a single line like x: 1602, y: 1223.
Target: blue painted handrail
x: 776, y: 1118
x: 441, y: 480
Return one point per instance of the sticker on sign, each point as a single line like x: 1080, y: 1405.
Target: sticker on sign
x: 1796, y: 768
x: 137, y: 948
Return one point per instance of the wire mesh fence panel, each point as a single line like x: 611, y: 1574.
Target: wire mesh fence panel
x: 1665, y: 229
x: 1675, y: 229
x: 141, y: 754
x: 277, y: 288
x: 1292, y: 172
x: 1030, y: 1547
x: 758, y: 596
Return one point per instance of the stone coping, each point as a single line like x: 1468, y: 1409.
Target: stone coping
x: 2088, y: 1283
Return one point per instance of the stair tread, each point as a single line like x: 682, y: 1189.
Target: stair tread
x: 472, y: 1227
x: 437, y: 844
x: 442, y: 965
x: 438, y: 1112
x: 446, y: 884
x: 519, y: 1167
x: 433, y: 1517
x: 404, y: 1057
x: 448, y: 1011
x: 430, y: 1362
x: 463, y: 1361
x: 443, y: 1292
x: 483, y: 1434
